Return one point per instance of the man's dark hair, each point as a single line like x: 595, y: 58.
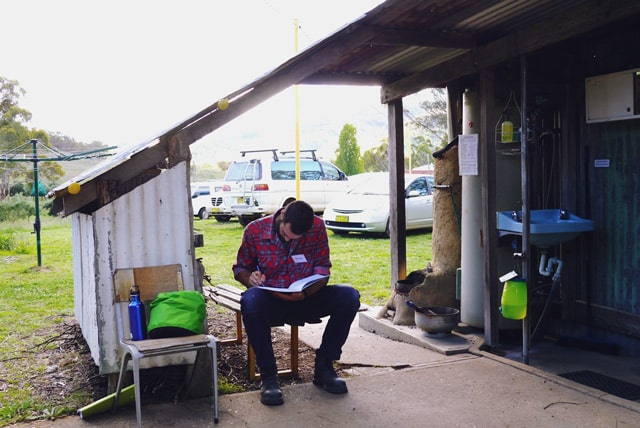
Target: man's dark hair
x: 299, y: 215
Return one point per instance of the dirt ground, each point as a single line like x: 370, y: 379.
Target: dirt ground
x: 70, y: 368
x: 54, y: 367
x: 232, y: 359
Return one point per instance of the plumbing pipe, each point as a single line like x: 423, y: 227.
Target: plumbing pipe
x: 548, y: 270
x: 558, y: 262
x: 543, y: 260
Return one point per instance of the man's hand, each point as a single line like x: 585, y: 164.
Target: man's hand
x: 257, y: 278
x: 250, y: 279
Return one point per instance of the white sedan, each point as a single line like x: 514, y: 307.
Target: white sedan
x: 365, y: 208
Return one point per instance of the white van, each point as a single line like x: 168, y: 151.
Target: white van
x: 263, y: 181
x: 206, y: 200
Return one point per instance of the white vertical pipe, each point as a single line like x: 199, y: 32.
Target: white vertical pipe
x: 472, y: 263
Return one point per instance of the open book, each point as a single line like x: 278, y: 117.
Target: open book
x: 298, y: 285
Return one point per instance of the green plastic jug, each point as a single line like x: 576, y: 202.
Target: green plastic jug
x: 514, y: 299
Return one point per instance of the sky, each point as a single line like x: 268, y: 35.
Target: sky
x: 122, y: 72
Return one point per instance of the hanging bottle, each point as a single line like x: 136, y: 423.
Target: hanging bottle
x: 507, y: 131
x: 514, y: 299
x: 137, y: 318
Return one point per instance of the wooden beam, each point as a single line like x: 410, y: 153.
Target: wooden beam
x: 148, y: 158
x: 178, y: 151
x: 557, y: 28
x: 487, y: 158
x: 397, y: 209
x: 93, y: 195
x: 72, y: 203
x: 357, y: 79
x: 423, y: 38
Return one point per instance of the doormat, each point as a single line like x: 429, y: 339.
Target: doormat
x: 608, y: 384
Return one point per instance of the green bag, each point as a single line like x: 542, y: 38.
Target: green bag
x: 176, y: 313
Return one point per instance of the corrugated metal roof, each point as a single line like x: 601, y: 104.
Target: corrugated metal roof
x: 413, y: 36
x: 401, y: 45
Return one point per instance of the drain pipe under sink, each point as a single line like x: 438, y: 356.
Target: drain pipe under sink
x: 548, y: 270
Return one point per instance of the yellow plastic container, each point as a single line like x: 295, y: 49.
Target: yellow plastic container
x: 507, y: 131
x: 514, y: 299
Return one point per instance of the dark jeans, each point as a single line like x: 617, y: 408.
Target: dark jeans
x: 260, y: 310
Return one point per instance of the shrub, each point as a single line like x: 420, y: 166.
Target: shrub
x: 16, y: 207
x: 11, y: 243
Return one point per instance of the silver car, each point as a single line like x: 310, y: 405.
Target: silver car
x: 365, y: 208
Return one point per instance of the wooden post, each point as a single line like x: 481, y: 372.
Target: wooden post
x: 397, y: 213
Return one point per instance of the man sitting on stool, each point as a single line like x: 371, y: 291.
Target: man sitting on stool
x: 277, y: 250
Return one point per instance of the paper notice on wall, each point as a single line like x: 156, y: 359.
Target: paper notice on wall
x: 468, y: 154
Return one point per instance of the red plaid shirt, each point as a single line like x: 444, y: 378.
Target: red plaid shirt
x: 283, y: 262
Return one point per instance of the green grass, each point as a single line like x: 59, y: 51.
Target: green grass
x: 35, y: 299
x: 32, y: 300
x: 30, y: 294
x: 361, y: 261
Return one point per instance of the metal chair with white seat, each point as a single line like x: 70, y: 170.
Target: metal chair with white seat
x: 151, y: 281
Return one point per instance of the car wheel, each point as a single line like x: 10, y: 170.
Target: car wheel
x: 223, y: 218
x: 203, y: 214
x: 386, y: 233
x: 246, y: 219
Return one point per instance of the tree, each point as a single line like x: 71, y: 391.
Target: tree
x: 429, y: 126
x: 13, y: 134
x: 348, y: 152
x: 377, y: 158
x: 427, y: 132
x: 206, y: 172
x: 223, y: 166
x: 9, y: 94
x: 12, y: 131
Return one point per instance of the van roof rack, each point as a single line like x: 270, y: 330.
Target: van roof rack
x: 274, y: 151
x: 312, y: 151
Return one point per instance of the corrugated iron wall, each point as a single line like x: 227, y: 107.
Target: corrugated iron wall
x: 149, y: 226
x: 84, y: 275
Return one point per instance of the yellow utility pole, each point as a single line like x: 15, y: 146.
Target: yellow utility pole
x: 297, y: 126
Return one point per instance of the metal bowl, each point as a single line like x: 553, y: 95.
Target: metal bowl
x: 435, y: 319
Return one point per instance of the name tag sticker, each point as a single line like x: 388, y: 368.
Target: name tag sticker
x: 299, y: 258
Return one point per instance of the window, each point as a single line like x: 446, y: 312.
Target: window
x: 286, y: 170
x: 200, y: 191
x: 240, y: 171
x: 283, y: 170
x: 331, y: 173
x: 420, y: 185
